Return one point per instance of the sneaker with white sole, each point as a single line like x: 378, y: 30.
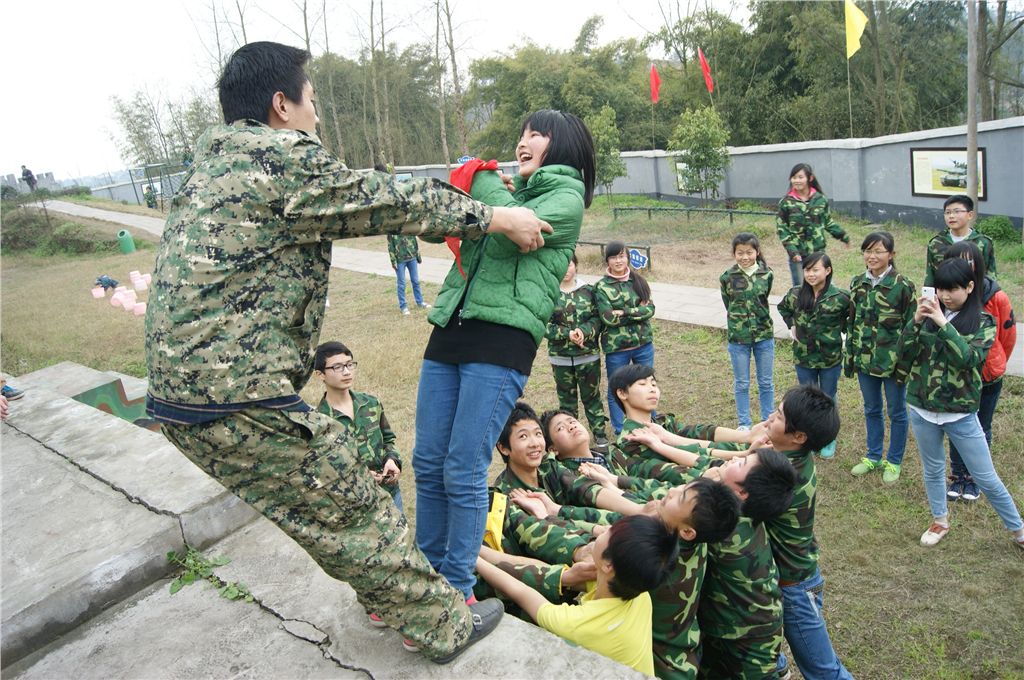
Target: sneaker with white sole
x: 377, y: 622
x: 971, y: 492
x: 936, y: 532
x: 865, y: 466
x: 890, y: 473
x: 955, y: 489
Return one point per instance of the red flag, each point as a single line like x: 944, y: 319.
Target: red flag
x: 655, y: 84
x: 706, y: 70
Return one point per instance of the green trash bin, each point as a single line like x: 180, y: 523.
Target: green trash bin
x: 125, y: 241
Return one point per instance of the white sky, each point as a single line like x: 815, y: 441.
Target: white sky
x: 63, y: 59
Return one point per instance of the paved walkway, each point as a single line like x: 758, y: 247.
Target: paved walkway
x: 685, y: 304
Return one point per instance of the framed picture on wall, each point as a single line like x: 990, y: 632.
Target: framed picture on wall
x: 943, y: 172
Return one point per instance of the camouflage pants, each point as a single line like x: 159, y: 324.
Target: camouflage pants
x: 582, y: 381
x: 742, y: 659
x: 301, y: 472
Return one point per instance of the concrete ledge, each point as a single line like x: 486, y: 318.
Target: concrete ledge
x: 72, y: 546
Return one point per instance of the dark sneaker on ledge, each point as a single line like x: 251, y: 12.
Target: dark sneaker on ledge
x: 485, y: 614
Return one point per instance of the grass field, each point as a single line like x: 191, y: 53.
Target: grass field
x: 895, y: 610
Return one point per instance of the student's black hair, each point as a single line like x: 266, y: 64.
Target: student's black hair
x: 957, y: 273
x: 769, y: 486
x: 962, y: 199
x: 809, y: 410
x: 254, y: 73
x: 545, y: 422
x: 805, y: 298
x: 643, y: 553
x: 716, y: 512
x: 521, y: 411
x: 575, y: 260
x: 811, y: 177
x: 883, y: 237
x: 380, y: 167
x: 640, y: 285
x: 745, y: 238
x: 326, y: 350
x: 570, y: 144
x: 972, y: 253
x: 625, y: 376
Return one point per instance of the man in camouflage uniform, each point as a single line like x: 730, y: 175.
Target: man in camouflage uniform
x: 404, y: 252
x: 959, y: 214
x: 236, y: 307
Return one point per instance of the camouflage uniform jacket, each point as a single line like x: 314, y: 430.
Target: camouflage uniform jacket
x: 575, y: 309
x: 746, y: 304
x: 369, y: 430
x: 674, y: 619
x: 633, y: 459
x: 819, y: 342
x: 240, y: 284
x: 944, y: 367
x: 878, y: 314
x: 633, y: 328
x: 940, y: 242
x: 402, y: 249
x: 741, y: 596
x: 551, y: 540
x: 576, y: 494
x: 791, y: 534
x: 802, y: 224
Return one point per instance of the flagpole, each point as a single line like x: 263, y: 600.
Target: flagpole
x: 652, y: 126
x: 849, y: 95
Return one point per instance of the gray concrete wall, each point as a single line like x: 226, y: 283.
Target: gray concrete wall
x: 869, y: 178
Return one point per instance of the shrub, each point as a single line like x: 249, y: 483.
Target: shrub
x: 8, y: 193
x: 999, y: 228
x: 74, y: 239
x: 26, y: 229
x: 22, y: 229
x: 76, y: 190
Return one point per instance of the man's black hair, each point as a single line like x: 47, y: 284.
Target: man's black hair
x: 962, y: 199
x: 625, y: 376
x: 254, y: 73
x: 545, y: 422
x: 769, y: 486
x: 326, y: 350
x: 521, y: 411
x: 643, y: 552
x: 716, y: 512
x: 809, y: 410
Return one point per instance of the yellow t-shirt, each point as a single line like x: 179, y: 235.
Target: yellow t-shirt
x: 616, y: 628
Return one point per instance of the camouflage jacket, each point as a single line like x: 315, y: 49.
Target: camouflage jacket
x: 674, y: 619
x: 402, y: 249
x: 877, y: 317
x: 943, y: 368
x: 575, y: 309
x: 240, y: 284
x: 791, y: 534
x: 631, y: 329
x: 369, y: 430
x: 551, y: 540
x: 940, y: 242
x: 576, y: 494
x: 802, y: 224
x: 741, y: 596
x: 746, y: 304
x: 819, y: 340
x: 633, y: 459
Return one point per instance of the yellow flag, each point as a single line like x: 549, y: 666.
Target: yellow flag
x: 855, y: 23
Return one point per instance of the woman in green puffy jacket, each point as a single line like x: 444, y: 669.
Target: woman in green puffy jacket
x: 489, y: 319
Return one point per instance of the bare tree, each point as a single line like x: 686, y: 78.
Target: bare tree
x: 388, y: 137
x: 460, y: 116
x: 440, y: 87
x: 340, y: 143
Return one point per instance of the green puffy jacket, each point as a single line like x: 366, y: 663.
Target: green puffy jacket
x: 503, y: 285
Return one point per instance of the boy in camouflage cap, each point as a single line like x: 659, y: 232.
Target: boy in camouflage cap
x: 235, y: 311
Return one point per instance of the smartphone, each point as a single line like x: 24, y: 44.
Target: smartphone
x: 928, y: 292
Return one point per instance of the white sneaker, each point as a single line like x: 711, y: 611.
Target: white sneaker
x: 405, y: 312
x: 936, y: 532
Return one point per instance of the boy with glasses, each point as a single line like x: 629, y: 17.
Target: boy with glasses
x: 958, y: 212
x: 360, y: 413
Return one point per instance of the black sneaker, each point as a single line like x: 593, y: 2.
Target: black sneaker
x: 11, y: 393
x: 486, y: 615
x: 955, y: 489
x: 971, y: 492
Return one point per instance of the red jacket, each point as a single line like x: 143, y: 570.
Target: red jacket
x: 997, y: 304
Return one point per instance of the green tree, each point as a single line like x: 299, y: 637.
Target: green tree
x: 699, y: 140
x: 606, y: 147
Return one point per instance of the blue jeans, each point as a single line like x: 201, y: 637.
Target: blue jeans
x: 414, y: 277
x: 989, y: 399
x: 796, y: 271
x: 826, y: 379
x: 871, y: 389
x: 460, y: 411
x: 967, y: 435
x: 613, y: 361
x: 803, y: 624
x: 764, y: 361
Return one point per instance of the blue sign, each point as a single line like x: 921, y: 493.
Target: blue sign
x: 465, y: 159
x: 637, y: 259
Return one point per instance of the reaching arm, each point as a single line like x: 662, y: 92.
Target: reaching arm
x: 526, y: 597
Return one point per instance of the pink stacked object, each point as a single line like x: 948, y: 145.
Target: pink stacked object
x: 127, y: 297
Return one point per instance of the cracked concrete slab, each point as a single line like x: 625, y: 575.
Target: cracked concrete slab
x: 285, y: 579
x: 71, y: 545
x: 194, y: 633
